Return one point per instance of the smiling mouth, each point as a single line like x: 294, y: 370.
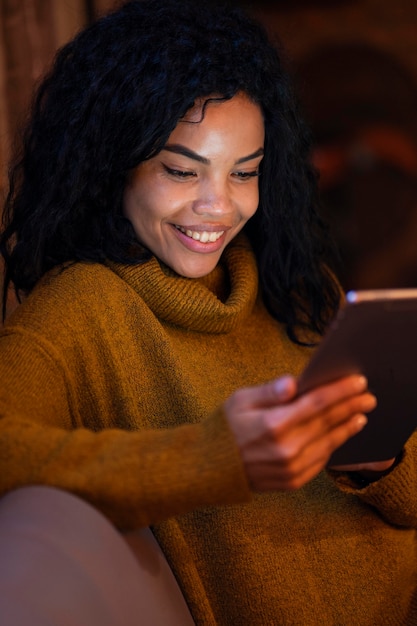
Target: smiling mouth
x: 203, y: 236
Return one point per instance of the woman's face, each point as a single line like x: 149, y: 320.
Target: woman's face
x: 190, y: 200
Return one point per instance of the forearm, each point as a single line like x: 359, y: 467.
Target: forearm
x: 134, y: 478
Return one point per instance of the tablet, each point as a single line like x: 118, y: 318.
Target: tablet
x: 374, y: 334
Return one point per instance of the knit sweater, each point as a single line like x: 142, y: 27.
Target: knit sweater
x: 112, y: 382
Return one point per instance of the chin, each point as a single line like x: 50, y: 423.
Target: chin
x: 195, y: 272
x: 194, y: 268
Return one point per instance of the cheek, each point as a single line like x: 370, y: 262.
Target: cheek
x: 157, y: 199
x: 251, y: 203
x: 138, y: 202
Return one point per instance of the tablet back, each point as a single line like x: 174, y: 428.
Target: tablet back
x: 375, y: 334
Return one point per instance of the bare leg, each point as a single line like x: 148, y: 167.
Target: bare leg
x: 63, y: 563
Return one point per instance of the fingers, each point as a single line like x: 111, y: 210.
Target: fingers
x: 284, y: 389
x: 272, y: 394
x: 323, y: 420
x: 316, y: 441
x: 299, y: 463
x: 306, y: 438
x: 291, y: 465
x: 375, y: 466
x: 348, y: 391
x: 285, y: 439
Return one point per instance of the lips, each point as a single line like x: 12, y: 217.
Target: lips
x: 203, y: 236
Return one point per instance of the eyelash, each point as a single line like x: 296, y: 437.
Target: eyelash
x: 187, y: 174
x: 178, y: 173
x: 246, y: 175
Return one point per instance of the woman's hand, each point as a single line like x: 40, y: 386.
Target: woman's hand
x: 370, y: 472
x: 286, y: 440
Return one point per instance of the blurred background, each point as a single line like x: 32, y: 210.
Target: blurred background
x: 354, y: 64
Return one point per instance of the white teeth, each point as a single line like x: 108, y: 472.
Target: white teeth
x: 203, y: 236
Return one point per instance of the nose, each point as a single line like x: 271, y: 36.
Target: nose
x: 214, y: 199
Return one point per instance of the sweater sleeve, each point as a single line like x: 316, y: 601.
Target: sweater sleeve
x: 134, y: 477
x: 394, y: 495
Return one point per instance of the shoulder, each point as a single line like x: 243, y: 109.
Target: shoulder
x: 72, y: 299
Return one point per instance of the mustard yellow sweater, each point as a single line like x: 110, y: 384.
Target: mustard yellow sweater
x: 111, y: 383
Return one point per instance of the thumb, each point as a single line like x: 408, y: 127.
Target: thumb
x: 271, y: 394
x: 279, y: 391
x: 284, y: 388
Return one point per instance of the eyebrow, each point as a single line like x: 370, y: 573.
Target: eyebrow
x: 177, y: 148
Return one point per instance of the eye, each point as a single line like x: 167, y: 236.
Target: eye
x: 246, y: 175
x: 178, y: 173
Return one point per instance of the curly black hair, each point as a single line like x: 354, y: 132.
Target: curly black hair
x: 112, y: 98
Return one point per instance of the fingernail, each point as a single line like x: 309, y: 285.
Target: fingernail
x: 281, y: 384
x: 369, y: 403
x: 361, y: 383
x: 361, y: 421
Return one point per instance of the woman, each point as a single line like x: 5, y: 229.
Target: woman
x: 162, y: 220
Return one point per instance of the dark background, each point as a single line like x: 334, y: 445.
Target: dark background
x: 354, y: 64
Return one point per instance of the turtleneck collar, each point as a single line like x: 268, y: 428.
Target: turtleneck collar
x: 215, y: 303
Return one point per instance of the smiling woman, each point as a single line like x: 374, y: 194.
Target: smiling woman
x: 191, y: 199
x: 161, y: 230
